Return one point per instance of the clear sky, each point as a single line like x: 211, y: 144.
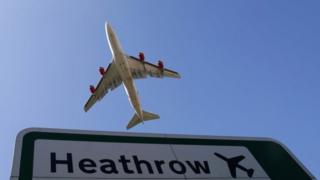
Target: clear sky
x: 249, y: 68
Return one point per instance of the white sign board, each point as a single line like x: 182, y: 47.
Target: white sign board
x: 44, y: 154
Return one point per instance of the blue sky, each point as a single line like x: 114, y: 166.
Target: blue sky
x: 249, y: 68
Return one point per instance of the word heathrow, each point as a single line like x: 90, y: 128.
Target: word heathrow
x: 128, y: 165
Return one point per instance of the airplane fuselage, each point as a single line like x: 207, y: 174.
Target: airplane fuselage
x: 122, y: 66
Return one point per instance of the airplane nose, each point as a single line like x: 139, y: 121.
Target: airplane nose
x: 108, y: 28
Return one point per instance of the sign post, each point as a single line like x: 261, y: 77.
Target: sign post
x: 44, y: 154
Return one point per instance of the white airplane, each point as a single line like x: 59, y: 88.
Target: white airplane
x: 124, y: 69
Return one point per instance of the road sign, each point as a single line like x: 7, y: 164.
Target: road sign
x: 44, y: 154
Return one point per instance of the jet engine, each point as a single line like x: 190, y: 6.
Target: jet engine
x: 160, y: 65
x: 102, y: 71
x: 92, y: 89
x: 141, y: 56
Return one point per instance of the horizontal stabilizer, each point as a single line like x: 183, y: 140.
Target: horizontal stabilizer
x: 146, y: 116
x: 149, y: 116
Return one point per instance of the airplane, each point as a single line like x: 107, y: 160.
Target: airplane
x: 123, y: 69
x: 233, y: 163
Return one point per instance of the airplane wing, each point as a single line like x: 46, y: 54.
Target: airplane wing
x: 233, y: 171
x: 110, y: 80
x: 232, y: 163
x: 141, y: 69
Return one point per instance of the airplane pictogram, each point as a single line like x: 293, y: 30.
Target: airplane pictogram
x: 233, y: 164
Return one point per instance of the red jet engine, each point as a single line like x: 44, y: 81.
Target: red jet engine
x: 141, y: 56
x: 102, y: 71
x: 160, y: 65
x: 92, y: 89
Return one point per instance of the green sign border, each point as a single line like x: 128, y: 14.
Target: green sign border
x: 273, y: 158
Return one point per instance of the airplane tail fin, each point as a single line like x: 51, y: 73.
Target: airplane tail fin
x: 146, y: 116
x: 250, y: 172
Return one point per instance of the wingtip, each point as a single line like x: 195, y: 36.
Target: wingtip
x: 177, y: 76
x: 86, y: 108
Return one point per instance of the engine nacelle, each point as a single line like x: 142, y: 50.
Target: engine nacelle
x: 141, y: 56
x: 160, y: 65
x: 102, y: 71
x: 92, y: 89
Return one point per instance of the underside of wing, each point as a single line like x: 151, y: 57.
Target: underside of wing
x: 91, y: 101
x: 109, y: 81
x: 142, y: 69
